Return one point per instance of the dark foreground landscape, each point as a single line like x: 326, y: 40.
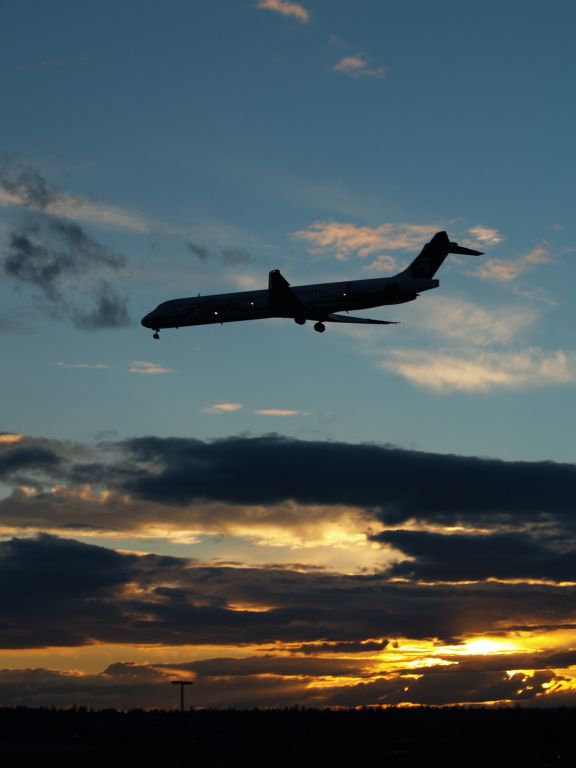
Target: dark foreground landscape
x: 392, y: 737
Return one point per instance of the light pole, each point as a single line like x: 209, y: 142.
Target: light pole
x: 182, y: 683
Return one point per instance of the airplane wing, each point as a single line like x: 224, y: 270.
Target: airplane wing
x: 281, y: 298
x: 347, y: 319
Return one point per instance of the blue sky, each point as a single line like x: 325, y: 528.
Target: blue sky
x: 152, y: 151
x: 231, y: 127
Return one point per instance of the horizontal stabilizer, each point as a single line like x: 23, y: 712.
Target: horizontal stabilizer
x: 455, y: 248
x: 365, y: 320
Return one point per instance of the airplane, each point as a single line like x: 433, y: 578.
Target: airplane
x: 320, y: 303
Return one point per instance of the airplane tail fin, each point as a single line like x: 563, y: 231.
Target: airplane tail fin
x: 431, y: 257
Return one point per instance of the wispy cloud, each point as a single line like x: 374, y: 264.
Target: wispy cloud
x: 486, y: 235
x: 149, y: 369
x: 280, y: 412
x: 83, y: 365
x: 355, y: 65
x: 464, y: 321
x: 481, y: 371
x: 506, y: 270
x: 29, y: 189
x: 345, y: 239
x: 286, y: 8
x: 222, y: 408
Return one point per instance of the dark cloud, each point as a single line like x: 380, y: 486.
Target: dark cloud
x: 57, y: 257
x: 395, y: 485
x: 62, y: 592
x: 109, y: 309
x: 198, y: 250
x: 400, y: 484
x: 126, y: 684
x: 29, y: 186
x: 211, y: 485
x: 354, y: 646
x: 273, y: 665
x: 16, y: 462
x: 457, y: 557
x: 447, y: 686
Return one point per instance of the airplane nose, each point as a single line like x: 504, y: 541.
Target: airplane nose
x: 146, y: 320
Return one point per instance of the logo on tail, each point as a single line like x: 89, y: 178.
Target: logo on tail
x: 431, y: 257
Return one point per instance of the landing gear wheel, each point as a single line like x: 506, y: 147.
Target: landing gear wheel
x: 155, y: 335
x: 320, y: 327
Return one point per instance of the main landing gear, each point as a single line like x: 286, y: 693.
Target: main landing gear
x: 319, y: 326
x: 156, y: 334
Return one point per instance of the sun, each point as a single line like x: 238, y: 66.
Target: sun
x: 484, y: 645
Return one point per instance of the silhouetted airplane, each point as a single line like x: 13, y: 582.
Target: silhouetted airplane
x: 317, y: 302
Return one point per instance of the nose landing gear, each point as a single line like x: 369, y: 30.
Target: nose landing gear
x: 156, y: 335
x: 320, y: 327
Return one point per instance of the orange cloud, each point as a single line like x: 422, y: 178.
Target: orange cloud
x: 222, y: 408
x: 149, y: 369
x: 357, y: 66
x: 506, y: 270
x: 286, y: 8
x: 9, y: 438
x: 347, y: 239
x: 486, y: 235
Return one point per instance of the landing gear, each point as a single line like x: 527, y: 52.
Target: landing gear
x: 300, y: 320
x: 155, y: 335
x: 320, y: 327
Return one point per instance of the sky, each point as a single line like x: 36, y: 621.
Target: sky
x: 371, y: 516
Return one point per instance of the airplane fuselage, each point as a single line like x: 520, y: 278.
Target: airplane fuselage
x: 318, y: 302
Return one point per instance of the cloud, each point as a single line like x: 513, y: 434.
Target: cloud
x: 198, y: 250
x: 148, y: 369
x: 464, y: 321
x: 355, y: 65
x: 53, y: 256
x: 10, y: 438
x: 272, y: 682
x: 486, y: 235
x: 83, y: 365
x: 279, y: 412
x: 481, y: 371
x: 43, y: 255
x: 350, y: 240
x: 470, y: 557
x: 222, y: 408
x: 247, y: 478
x: 301, y: 638
x: 505, y: 271
x: 71, y: 594
x: 286, y: 8
x: 30, y: 190
x: 23, y: 458
x: 110, y: 515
